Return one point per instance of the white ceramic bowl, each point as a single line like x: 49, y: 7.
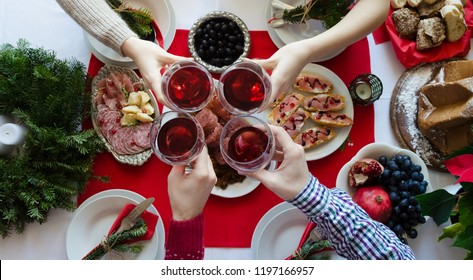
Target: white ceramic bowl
x: 374, y: 151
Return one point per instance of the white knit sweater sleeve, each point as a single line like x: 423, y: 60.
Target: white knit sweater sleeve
x: 99, y: 20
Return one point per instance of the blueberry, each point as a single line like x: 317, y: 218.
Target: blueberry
x: 421, y: 219
x: 413, y: 201
x: 383, y: 160
x: 386, y: 174
x: 394, y: 197
x: 397, y: 210
x: 416, y: 176
x: 393, y: 166
x: 411, y: 208
x: 405, y: 195
x: 396, y: 175
x: 393, y: 188
x: 412, y: 233
x: 404, y: 203
x: 403, y: 186
x: 398, y: 159
x: 397, y: 229
x: 416, y: 168
x: 406, y: 164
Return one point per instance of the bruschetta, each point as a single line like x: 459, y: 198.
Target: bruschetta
x: 294, y: 123
x: 314, y: 136
x: 285, y: 108
x: 324, y: 102
x: 313, y: 84
x: 331, y: 118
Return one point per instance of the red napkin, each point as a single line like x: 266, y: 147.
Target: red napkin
x: 150, y: 219
x: 406, y: 49
x: 230, y: 222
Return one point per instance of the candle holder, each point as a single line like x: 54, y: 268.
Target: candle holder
x: 365, y: 89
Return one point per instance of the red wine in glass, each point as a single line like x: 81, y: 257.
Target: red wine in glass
x: 247, y: 144
x: 177, y: 137
x: 187, y: 86
x: 244, y: 89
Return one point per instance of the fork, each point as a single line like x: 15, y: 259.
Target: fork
x: 133, y: 216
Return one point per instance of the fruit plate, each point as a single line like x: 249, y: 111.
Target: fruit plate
x: 374, y: 151
x: 138, y: 158
x: 339, y: 87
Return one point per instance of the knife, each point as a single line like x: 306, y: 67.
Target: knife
x: 135, y: 214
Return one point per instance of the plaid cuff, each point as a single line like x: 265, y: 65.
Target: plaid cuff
x: 313, y: 199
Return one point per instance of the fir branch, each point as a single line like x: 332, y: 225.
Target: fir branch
x: 47, y: 96
x: 138, y: 19
x: 328, y: 11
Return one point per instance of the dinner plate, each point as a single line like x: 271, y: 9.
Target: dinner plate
x: 131, y: 159
x: 339, y: 87
x: 94, y: 218
x: 295, y: 32
x: 240, y: 189
x: 163, y: 14
x: 277, y: 234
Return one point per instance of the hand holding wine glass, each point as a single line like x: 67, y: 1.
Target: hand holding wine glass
x: 188, y: 192
x: 292, y: 174
x: 176, y: 138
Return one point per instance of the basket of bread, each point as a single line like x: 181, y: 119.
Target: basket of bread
x: 429, y: 30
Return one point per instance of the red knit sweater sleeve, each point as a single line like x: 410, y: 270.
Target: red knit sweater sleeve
x: 185, y: 240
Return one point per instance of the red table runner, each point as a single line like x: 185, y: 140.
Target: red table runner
x: 230, y: 222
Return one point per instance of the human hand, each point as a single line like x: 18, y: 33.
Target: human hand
x: 292, y: 175
x: 285, y: 65
x: 150, y: 59
x: 188, y: 193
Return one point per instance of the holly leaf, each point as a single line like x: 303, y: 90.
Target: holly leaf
x: 437, y: 204
x: 451, y: 231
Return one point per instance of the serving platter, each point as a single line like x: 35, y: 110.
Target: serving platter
x: 132, y: 159
x: 164, y: 17
x: 403, y: 112
x: 295, y: 32
x: 339, y: 87
x: 95, y: 216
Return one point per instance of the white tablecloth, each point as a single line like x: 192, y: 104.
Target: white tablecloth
x: 44, y: 24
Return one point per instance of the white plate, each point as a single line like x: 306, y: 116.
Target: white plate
x: 163, y: 14
x: 295, y: 32
x: 342, y: 133
x: 96, y: 215
x: 278, y: 233
x: 374, y: 151
x: 240, y: 189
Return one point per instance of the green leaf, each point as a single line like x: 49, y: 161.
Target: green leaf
x: 451, y: 231
x: 465, y: 239
x: 437, y: 204
x: 465, y: 209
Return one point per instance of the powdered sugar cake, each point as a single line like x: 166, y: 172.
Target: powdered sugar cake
x: 403, y: 112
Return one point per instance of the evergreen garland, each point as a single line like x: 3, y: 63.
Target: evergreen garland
x: 47, y: 96
x: 328, y: 11
x: 139, y: 20
x: 309, y: 250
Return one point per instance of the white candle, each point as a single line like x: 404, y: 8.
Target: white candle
x: 6, y: 150
x: 363, y: 90
x: 12, y: 134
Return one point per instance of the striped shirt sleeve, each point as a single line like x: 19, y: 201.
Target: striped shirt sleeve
x: 352, y: 233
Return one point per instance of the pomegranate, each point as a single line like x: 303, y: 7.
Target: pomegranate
x: 364, y: 172
x: 375, y: 201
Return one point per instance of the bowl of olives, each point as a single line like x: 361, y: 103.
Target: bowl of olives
x: 219, y: 39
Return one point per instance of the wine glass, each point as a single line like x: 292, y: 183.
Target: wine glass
x: 247, y: 143
x: 176, y: 138
x: 244, y: 88
x: 187, y: 86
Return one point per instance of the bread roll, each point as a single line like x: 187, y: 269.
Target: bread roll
x: 454, y: 21
x: 397, y: 4
x: 406, y: 21
x: 430, y: 33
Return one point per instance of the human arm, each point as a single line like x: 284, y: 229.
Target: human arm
x: 349, y: 229
x: 99, y: 20
x: 289, y: 60
x: 188, y: 194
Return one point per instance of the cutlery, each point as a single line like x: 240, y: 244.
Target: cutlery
x: 135, y: 214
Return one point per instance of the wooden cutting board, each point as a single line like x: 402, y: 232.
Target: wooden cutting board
x: 403, y: 112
